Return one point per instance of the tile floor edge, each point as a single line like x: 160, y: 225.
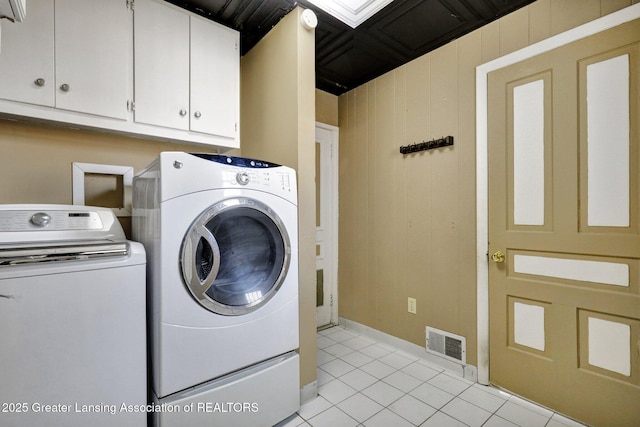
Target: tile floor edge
x: 468, y: 372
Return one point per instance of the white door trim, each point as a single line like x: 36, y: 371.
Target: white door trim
x: 482, y: 213
x: 333, y: 275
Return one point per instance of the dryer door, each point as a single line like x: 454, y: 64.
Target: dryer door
x: 235, y: 256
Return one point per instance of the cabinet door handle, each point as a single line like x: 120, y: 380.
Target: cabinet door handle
x: 65, y: 87
x: 40, y: 82
x: 183, y: 112
x: 197, y: 114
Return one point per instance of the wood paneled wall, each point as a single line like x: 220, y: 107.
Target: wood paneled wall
x: 407, y: 223
x: 326, y: 108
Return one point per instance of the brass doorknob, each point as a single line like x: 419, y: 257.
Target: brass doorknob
x: 498, y: 256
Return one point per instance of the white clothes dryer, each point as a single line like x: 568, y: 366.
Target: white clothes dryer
x: 221, y: 234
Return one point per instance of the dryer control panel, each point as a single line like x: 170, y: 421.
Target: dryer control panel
x: 237, y: 161
x: 234, y: 177
x: 183, y: 173
x: 251, y: 173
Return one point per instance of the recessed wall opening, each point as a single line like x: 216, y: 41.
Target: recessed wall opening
x: 104, y: 190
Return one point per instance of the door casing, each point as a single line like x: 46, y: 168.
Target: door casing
x: 329, y: 252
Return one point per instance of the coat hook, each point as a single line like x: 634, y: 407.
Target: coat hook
x: 424, y: 145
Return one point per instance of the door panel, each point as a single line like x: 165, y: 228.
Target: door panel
x: 608, y: 159
x: 563, y: 208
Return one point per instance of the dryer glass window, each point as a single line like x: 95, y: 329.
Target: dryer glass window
x: 240, y: 258
x: 251, y: 256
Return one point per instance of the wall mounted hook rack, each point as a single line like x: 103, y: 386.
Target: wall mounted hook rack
x: 427, y: 145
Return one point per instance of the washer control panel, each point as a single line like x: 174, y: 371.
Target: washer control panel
x: 54, y: 220
x: 40, y: 219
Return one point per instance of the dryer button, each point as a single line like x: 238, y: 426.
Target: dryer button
x: 242, y: 178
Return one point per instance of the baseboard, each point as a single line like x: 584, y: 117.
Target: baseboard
x: 308, y: 392
x: 468, y: 372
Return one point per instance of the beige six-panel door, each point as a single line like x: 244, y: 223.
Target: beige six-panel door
x: 564, y: 228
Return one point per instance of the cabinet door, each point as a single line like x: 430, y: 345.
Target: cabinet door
x: 93, y: 56
x: 214, y: 78
x: 27, y: 55
x: 161, y: 65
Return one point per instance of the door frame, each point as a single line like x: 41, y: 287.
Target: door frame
x: 482, y: 184
x: 333, y: 275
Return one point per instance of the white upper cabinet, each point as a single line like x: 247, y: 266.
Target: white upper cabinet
x: 215, y: 72
x: 186, y: 71
x: 27, y: 57
x: 93, y: 56
x: 136, y: 67
x: 161, y: 65
x: 56, y: 59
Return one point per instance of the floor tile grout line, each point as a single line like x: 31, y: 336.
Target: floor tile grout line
x: 404, y: 393
x: 413, y: 360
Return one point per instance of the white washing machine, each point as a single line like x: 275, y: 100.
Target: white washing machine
x: 222, y: 239
x: 72, y: 319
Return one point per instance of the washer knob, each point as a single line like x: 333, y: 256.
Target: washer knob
x: 242, y: 178
x: 40, y: 219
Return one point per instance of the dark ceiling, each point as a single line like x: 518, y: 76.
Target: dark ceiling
x: 347, y: 57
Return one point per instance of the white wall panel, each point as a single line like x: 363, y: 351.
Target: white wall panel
x: 528, y: 153
x: 608, y: 142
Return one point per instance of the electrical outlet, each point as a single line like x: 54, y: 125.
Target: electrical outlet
x: 411, y: 303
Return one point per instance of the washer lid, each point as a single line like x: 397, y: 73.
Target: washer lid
x: 65, y: 251
x: 235, y: 256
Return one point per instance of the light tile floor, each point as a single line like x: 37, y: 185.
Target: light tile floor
x: 362, y: 382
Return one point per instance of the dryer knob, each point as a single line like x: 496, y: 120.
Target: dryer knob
x: 242, y: 178
x: 40, y: 219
